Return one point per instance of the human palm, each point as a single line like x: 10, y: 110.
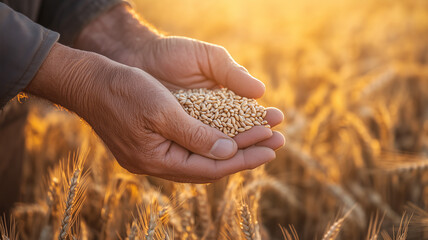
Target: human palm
x: 179, y: 62
x: 175, y: 145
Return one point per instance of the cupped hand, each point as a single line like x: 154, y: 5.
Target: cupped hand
x: 152, y: 134
x: 139, y: 120
x: 179, y: 62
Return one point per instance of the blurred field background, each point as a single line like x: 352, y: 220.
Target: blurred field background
x: 352, y: 79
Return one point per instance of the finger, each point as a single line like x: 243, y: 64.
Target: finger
x: 274, y: 116
x: 275, y: 142
x: 196, y: 136
x: 223, y: 69
x: 244, y: 159
x: 259, y: 133
x: 197, y: 168
x: 254, y: 135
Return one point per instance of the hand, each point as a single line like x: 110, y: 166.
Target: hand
x: 177, y: 63
x: 139, y: 120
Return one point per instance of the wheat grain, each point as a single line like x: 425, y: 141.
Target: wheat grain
x: 222, y: 109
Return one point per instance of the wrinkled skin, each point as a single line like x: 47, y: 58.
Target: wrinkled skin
x: 133, y: 111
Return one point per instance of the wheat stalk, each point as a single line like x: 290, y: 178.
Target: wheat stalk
x: 268, y: 182
x: 186, y: 200
x: 350, y: 204
x: 204, y: 210
x: 226, y: 208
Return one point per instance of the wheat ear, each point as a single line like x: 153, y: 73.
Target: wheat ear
x: 334, y: 230
x: 248, y: 228
x: 151, y: 228
x: 75, y: 190
x: 134, y: 231
x: 65, y: 223
x: 149, y: 220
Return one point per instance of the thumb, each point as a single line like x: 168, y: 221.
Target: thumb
x: 223, y: 69
x: 198, y: 137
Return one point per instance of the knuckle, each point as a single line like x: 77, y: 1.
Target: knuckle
x: 240, y: 67
x: 171, y: 165
x: 221, y: 51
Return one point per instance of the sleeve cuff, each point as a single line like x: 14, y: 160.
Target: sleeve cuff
x: 24, y: 47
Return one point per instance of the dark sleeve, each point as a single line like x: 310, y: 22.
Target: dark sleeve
x: 68, y: 17
x: 24, y: 46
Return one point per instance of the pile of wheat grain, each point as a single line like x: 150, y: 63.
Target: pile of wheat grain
x: 222, y: 109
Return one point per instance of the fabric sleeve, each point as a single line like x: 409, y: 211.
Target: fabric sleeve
x: 68, y: 17
x: 24, y: 45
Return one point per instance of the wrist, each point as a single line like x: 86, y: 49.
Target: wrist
x: 116, y: 32
x: 68, y: 77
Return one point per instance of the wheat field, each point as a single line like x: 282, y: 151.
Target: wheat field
x: 351, y: 77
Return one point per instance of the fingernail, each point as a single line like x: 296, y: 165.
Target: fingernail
x: 223, y: 148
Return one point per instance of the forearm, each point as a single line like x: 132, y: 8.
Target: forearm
x: 119, y: 29
x: 68, y: 77
x: 23, y: 47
